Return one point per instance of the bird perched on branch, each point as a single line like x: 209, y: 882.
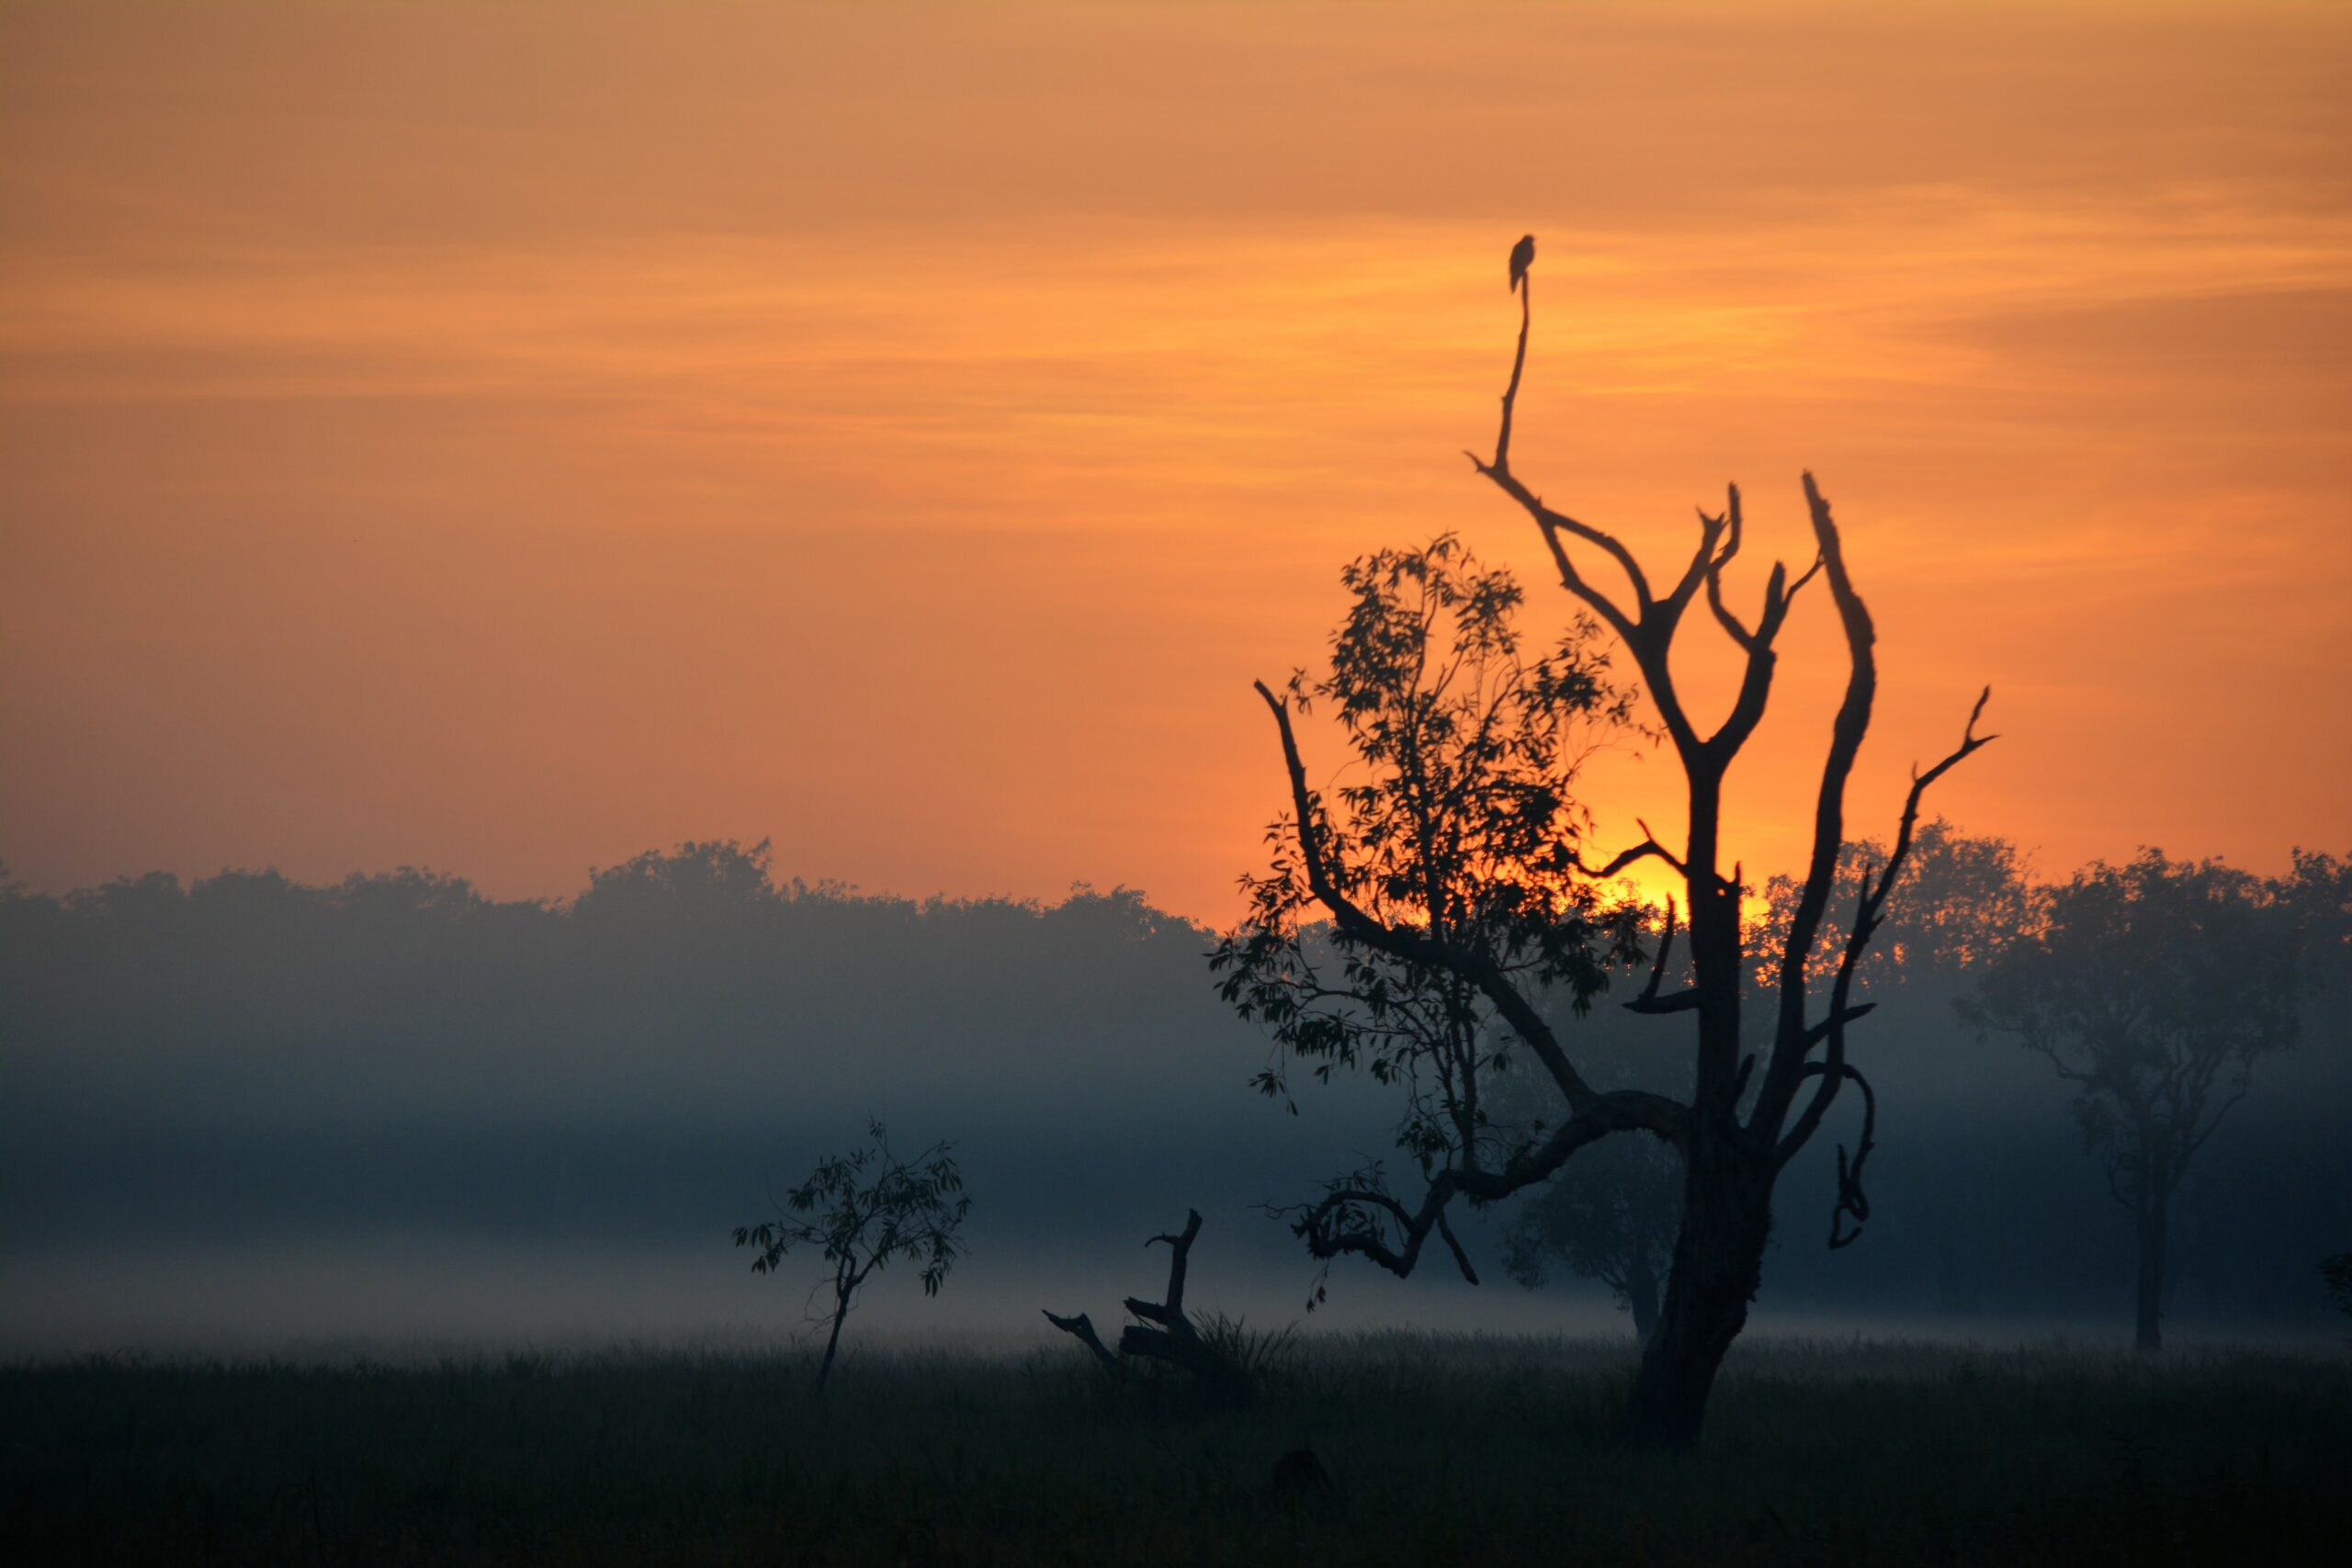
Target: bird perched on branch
x: 1523, y: 255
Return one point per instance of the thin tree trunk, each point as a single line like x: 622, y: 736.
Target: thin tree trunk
x: 841, y: 1314
x: 1641, y: 1298
x: 1718, y: 1264
x: 2153, y: 1225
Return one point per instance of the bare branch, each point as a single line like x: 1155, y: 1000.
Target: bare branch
x: 1083, y: 1327
x: 1461, y: 1259
x: 1176, y: 1340
x: 1838, y: 1019
x: 1869, y: 911
x: 1789, y: 596
x: 1649, y: 1001
x: 1688, y: 999
x: 1829, y: 824
x: 1553, y: 523
x: 1730, y: 623
x: 1658, y: 965
x: 1517, y: 365
x: 1703, y: 565
x: 1335, y: 1223
x: 1180, y: 1259
x: 1649, y: 846
x: 1852, y: 1200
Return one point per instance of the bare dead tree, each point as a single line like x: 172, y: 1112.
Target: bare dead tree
x: 1737, y: 1131
x: 1167, y: 1333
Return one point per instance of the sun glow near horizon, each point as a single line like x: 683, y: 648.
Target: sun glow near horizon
x: 509, y: 438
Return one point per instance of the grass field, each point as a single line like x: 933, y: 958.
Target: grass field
x: 1441, y: 1449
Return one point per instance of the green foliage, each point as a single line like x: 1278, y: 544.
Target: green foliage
x: 1457, y: 822
x: 2151, y: 987
x: 862, y: 1209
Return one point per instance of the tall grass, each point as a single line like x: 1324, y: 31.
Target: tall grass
x: 1442, y: 1449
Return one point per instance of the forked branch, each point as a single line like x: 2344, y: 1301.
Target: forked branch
x: 1554, y: 523
x: 1354, y: 1215
x: 1649, y: 1001
x: 1648, y: 630
x: 1869, y: 913
x: 1851, y: 1202
x: 1175, y: 1340
x: 1413, y: 945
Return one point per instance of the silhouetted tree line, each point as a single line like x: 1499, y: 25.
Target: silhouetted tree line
x: 2196, y: 1017
x: 248, y: 1055
x: 673, y: 979
x: 245, y: 1055
x: 1424, y: 921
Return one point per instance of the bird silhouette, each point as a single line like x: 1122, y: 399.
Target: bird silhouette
x: 1523, y: 255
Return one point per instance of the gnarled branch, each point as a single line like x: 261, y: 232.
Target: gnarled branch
x: 1415, y: 946
x: 1083, y: 1327
x: 1336, y: 1223
x: 1869, y: 913
x: 1852, y: 1199
x: 1176, y: 1340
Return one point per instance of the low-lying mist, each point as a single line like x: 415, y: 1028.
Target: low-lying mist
x: 246, y: 1113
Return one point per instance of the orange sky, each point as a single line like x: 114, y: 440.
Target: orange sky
x: 510, y: 437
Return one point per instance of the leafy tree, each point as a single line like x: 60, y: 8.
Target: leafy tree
x: 2153, y: 989
x: 1959, y: 901
x: 696, y: 890
x: 1461, y: 830
x: 2315, y: 897
x: 2337, y: 1274
x: 1454, y: 891
x: 863, y: 1209
x: 1609, y: 1215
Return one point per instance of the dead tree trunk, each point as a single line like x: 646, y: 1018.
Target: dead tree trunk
x: 1731, y: 1159
x: 1753, y: 1104
x: 1642, y: 1299
x: 2155, y: 1220
x: 1718, y: 1265
x: 1167, y: 1334
x: 847, y: 1276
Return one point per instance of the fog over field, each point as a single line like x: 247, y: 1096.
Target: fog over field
x: 251, y: 1115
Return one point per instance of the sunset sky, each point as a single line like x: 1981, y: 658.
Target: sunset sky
x: 505, y: 438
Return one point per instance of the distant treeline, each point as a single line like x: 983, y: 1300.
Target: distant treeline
x: 247, y: 1057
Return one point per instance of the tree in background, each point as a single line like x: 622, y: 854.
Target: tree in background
x: 863, y: 1209
x: 2153, y: 989
x: 2316, y: 896
x: 1448, y: 889
x: 1960, y: 900
x: 2337, y: 1274
x: 1610, y: 1214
